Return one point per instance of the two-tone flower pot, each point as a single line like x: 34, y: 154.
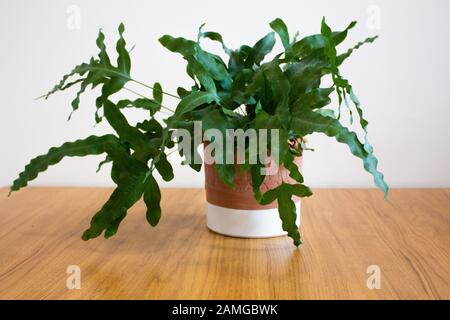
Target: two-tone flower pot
x: 235, y: 212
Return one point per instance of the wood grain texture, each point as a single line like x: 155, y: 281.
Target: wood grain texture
x: 344, y: 231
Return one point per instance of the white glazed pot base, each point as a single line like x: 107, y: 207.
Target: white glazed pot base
x: 263, y: 223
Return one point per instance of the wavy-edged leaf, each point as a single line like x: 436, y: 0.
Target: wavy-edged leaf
x: 158, y: 93
x: 150, y: 126
x: 214, y: 36
x: 342, y: 57
x: 201, y: 64
x: 141, y: 103
x: 216, y: 119
x: 197, y: 70
x: 80, y: 69
x: 214, y: 66
x: 310, y: 122
x: 261, y: 88
x: 128, y: 173
x: 305, y: 75
x: 164, y: 167
x: 92, y: 145
x: 281, y: 29
x: 194, y: 100
x: 123, y: 58
x: 362, y: 121
x: 120, y: 124
x: 316, y: 42
x: 306, y: 46
x: 299, y: 190
x: 270, y: 196
x: 280, y: 88
x: 288, y: 214
x: 103, y: 54
x: 130, y: 188
x: 342, y: 85
x: 236, y: 63
x: 152, y: 199
x: 287, y: 209
x: 271, y: 88
x: 331, y: 55
x: 118, y: 76
x: 178, y: 45
x: 340, y: 36
x: 114, y: 226
x: 326, y: 112
x: 261, y: 48
x: 144, y: 145
x: 99, y: 71
x: 103, y: 162
x: 286, y: 206
x: 182, y: 92
x: 314, y: 99
x: 289, y: 163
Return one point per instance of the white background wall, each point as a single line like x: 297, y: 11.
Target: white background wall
x: 403, y: 79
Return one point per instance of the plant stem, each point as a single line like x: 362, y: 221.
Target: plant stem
x: 126, y: 76
x: 142, y: 96
x: 173, y: 151
x: 150, y: 87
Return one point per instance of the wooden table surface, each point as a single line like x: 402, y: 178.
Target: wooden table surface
x: 344, y: 232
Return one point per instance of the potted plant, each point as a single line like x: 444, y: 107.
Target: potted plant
x: 250, y: 92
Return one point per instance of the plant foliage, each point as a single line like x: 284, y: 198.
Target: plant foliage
x: 246, y: 91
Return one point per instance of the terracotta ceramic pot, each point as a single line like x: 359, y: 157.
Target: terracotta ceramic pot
x: 235, y: 212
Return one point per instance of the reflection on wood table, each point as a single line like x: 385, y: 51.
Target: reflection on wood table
x: 345, y: 231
